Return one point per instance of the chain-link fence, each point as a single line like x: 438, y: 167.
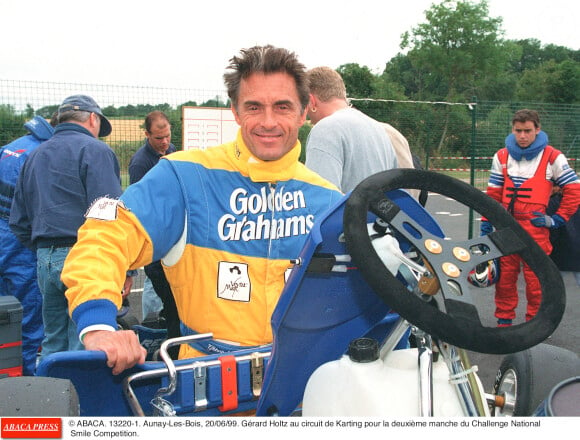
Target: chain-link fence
x: 461, y: 138
x: 455, y: 138
x: 125, y: 106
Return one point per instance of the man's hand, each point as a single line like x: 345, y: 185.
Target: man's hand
x: 545, y: 221
x: 485, y: 228
x: 127, y: 286
x: 121, y: 347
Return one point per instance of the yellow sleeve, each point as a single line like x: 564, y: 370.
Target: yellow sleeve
x: 96, y: 266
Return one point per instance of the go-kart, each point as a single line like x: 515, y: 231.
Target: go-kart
x: 376, y: 319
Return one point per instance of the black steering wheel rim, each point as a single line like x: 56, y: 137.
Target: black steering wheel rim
x: 459, y: 325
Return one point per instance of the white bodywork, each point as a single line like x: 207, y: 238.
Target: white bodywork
x: 388, y: 387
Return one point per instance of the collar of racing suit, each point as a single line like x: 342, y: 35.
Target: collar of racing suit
x: 264, y: 170
x: 529, y: 152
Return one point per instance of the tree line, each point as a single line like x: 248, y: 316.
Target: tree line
x: 458, y: 53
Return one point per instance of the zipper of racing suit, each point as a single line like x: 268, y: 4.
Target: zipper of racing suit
x: 273, y: 229
x: 272, y: 193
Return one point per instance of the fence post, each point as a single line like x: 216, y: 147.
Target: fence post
x: 473, y: 108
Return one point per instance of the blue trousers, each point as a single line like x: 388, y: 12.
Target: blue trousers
x: 18, y: 279
x: 60, y: 333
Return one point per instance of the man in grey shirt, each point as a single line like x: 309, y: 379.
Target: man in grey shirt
x: 345, y: 146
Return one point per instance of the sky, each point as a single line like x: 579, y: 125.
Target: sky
x: 188, y: 43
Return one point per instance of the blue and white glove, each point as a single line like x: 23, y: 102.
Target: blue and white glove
x: 485, y: 228
x: 546, y: 221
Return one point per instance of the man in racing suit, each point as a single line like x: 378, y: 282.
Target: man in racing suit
x: 17, y: 262
x: 521, y: 179
x: 226, y: 222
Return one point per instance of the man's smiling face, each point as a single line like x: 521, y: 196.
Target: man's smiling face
x: 269, y: 114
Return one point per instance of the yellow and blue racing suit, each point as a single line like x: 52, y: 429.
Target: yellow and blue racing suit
x: 226, y: 226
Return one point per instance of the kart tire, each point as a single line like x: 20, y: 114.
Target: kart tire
x: 526, y: 378
x: 29, y: 396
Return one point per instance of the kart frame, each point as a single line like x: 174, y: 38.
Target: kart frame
x: 339, y: 290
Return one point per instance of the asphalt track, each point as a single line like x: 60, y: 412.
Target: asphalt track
x: 454, y: 218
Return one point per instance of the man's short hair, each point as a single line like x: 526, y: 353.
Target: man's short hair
x: 526, y: 115
x: 154, y: 116
x: 73, y: 115
x: 326, y: 83
x: 265, y: 59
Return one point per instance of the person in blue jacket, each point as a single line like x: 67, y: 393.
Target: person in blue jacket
x: 18, y: 263
x: 157, y: 144
x: 58, y: 183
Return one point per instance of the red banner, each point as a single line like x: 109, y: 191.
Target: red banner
x: 31, y: 427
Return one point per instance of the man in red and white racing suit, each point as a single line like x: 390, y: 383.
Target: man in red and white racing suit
x: 521, y: 179
x: 226, y: 222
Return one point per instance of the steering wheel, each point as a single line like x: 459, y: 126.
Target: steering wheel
x: 459, y: 323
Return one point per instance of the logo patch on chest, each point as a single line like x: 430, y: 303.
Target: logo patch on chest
x: 233, y: 281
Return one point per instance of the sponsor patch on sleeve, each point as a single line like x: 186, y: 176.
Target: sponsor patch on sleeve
x: 104, y: 209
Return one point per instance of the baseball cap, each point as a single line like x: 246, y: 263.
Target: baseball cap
x: 87, y: 104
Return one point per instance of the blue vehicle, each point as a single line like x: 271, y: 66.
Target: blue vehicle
x: 380, y: 298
